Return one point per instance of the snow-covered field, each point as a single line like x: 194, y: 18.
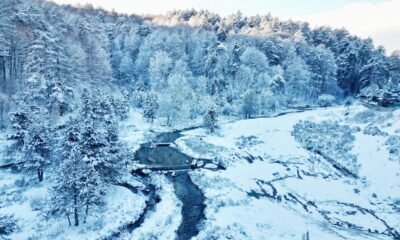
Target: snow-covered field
x: 275, y: 189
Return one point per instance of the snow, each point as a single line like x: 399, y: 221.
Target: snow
x: 166, y: 218
x: 123, y: 207
x: 229, y: 205
x: 271, y: 186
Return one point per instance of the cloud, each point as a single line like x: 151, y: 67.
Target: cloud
x: 380, y: 21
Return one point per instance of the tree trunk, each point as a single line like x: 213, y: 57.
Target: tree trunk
x: 69, y: 220
x: 40, y: 174
x: 86, y: 212
x: 76, y: 216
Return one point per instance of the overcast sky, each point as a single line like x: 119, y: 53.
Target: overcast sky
x: 379, y: 19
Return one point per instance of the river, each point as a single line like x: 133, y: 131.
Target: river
x: 188, y: 193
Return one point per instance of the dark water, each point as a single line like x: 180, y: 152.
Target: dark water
x: 187, y: 192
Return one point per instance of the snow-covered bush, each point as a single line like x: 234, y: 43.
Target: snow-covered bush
x: 326, y: 100
x: 21, y: 182
x: 374, y: 131
x: 9, y: 195
x: 232, y: 231
x: 37, y: 202
x: 245, y: 142
x: 365, y: 116
x: 329, y: 139
x: 393, y: 145
x: 199, y: 147
x: 8, y: 225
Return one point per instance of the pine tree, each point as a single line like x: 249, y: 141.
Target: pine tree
x: 99, y: 141
x: 121, y: 106
x: 150, y: 106
x: 78, y: 186
x: 37, y: 147
x: 210, y: 120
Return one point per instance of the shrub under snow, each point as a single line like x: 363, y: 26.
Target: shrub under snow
x: 328, y: 139
x: 8, y: 225
x: 393, y: 145
x: 326, y: 100
x: 374, y: 131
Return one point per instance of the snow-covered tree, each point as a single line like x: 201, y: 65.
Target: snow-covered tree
x: 173, y: 100
x: 3, y: 109
x: 150, y: 106
x: 121, y: 106
x: 78, y: 186
x: 159, y: 69
x: 376, y: 71
x: 210, y: 119
x: 37, y: 147
x: 249, y: 104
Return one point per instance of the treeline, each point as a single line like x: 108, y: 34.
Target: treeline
x: 181, y: 65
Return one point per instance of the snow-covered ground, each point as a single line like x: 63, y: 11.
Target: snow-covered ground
x: 122, y: 207
x: 22, y: 196
x: 272, y: 187
x: 163, y: 221
x: 287, y: 191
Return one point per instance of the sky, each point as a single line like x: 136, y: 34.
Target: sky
x: 378, y: 19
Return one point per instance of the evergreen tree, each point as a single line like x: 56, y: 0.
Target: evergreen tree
x: 77, y: 185
x: 37, y: 146
x: 150, y: 106
x: 210, y: 120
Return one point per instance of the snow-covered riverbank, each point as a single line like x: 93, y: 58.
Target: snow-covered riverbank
x: 273, y: 187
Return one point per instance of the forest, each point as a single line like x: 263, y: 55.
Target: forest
x: 70, y: 75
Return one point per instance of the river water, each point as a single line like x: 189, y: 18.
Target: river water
x: 188, y: 193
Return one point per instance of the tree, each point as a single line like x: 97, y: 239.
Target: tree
x: 159, y: 69
x: 150, y: 106
x: 268, y: 101
x: 37, y: 147
x: 174, y: 99
x: 249, y: 104
x: 394, y: 68
x: 99, y: 142
x: 121, y: 106
x: 376, y: 71
x: 254, y: 59
x: 210, y: 120
x: 3, y: 109
x: 59, y: 98
x: 77, y: 185
x: 323, y: 68
x: 297, y: 75
x: 277, y: 85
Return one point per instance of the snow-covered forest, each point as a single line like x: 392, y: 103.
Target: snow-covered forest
x: 83, y: 89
